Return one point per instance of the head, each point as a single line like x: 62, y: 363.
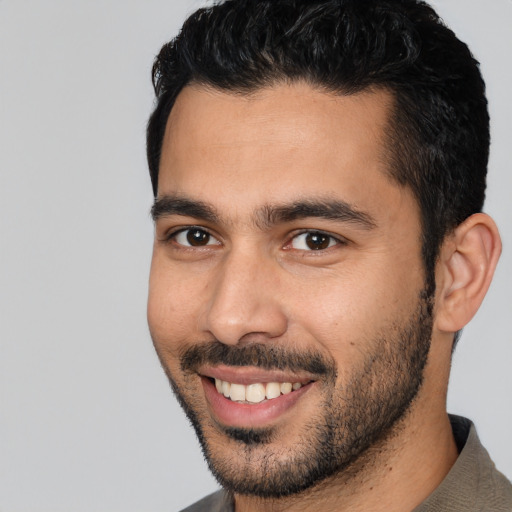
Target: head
x: 309, y: 161
x: 438, y: 131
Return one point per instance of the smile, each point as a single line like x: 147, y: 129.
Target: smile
x: 252, y: 397
x: 255, y: 393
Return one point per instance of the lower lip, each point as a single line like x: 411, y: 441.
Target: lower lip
x: 237, y: 414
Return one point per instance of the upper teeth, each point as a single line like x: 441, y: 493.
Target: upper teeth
x: 255, y: 393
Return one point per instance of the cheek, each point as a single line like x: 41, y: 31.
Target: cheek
x: 347, y: 312
x: 334, y: 321
x: 173, y: 307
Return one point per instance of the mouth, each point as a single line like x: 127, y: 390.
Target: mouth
x: 249, y: 397
x: 255, y: 393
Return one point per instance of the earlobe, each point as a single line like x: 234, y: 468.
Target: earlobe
x: 467, y: 262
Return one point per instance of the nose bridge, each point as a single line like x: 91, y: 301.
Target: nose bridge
x: 243, y: 298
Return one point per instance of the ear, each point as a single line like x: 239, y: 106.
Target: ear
x: 465, y: 268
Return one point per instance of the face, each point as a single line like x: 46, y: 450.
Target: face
x: 286, y: 294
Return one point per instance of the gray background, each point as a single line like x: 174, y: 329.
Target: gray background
x: 88, y: 422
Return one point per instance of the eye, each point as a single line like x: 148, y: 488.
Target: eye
x: 194, y: 237
x: 313, y: 241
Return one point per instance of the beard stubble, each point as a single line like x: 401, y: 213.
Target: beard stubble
x: 351, y: 418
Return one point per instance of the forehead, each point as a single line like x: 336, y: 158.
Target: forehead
x: 281, y: 105
x: 284, y: 142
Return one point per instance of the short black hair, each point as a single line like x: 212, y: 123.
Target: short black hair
x: 438, y: 135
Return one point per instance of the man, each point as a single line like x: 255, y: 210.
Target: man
x: 319, y: 173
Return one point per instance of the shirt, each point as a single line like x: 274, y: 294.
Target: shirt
x: 473, y: 484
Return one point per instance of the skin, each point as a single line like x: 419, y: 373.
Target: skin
x: 257, y: 282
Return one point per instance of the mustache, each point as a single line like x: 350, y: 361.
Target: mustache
x: 268, y: 357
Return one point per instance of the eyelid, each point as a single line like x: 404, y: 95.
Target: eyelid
x: 171, y: 235
x: 339, y: 240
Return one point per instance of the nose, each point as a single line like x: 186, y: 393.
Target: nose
x: 245, y: 303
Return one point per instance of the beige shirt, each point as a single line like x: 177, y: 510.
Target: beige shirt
x: 472, y: 485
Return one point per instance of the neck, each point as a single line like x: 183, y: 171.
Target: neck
x: 398, y: 474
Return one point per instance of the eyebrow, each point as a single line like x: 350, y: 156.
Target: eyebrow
x: 171, y: 205
x: 330, y: 209
x: 268, y: 215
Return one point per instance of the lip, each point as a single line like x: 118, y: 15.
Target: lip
x: 251, y: 375
x: 235, y: 414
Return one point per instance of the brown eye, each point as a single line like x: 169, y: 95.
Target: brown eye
x: 195, y: 237
x: 313, y: 241
x: 316, y: 241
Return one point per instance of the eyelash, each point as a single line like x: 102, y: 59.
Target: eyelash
x: 332, y: 240
x: 171, y: 237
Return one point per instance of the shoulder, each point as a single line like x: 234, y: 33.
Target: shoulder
x: 492, y: 490
x: 473, y: 483
x: 219, y: 501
